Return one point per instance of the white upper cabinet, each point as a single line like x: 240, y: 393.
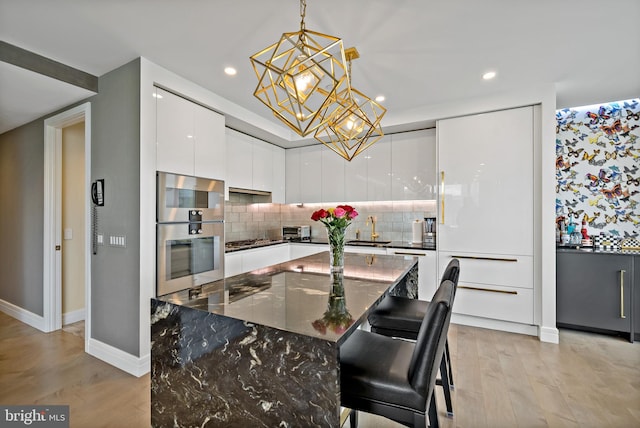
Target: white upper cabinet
x: 239, y: 160
x: 210, y: 147
x: 293, y: 191
x: 396, y: 167
x: 311, y: 173
x: 279, y: 177
x: 355, y: 179
x: 333, y: 166
x: 262, y: 166
x: 190, y: 138
x: 414, y: 165
x: 487, y: 166
x: 378, y: 158
x: 174, y: 133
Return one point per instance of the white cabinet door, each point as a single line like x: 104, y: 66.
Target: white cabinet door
x: 378, y: 159
x: 262, y: 166
x: 174, y: 133
x: 311, y: 173
x: 279, y: 178
x: 292, y: 176
x: 259, y: 258
x: 297, y: 251
x: 414, y: 165
x: 332, y: 176
x: 487, y: 166
x: 210, y: 144
x: 355, y: 179
x: 239, y: 160
x: 232, y: 264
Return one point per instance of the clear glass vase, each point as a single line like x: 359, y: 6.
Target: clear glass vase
x: 336, y: 248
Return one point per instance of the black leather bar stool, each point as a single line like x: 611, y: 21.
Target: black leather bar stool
x: 402, y: 317
x: 395, y: 378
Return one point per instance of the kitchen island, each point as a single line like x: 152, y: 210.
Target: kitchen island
x: 262, y: 348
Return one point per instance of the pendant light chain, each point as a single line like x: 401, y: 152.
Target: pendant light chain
x: 303, y: 13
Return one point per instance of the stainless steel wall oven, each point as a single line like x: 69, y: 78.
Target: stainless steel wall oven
x: 190, y: 232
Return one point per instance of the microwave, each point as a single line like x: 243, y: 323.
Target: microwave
x: 296, y: 233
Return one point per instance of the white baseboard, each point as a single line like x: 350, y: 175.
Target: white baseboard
x: 549, y: 334
x: 73, y: 316
x: 490, y: 324
x: 136, y: 366
x: 22, y: 315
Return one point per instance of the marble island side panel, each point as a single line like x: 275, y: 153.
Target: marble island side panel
x: 209, y: 370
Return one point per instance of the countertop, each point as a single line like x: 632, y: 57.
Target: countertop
x: 595, y: 250
x: 294, y: 295
x: 391, y: 244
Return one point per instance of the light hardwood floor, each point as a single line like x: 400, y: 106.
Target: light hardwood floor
x: 502, y: 380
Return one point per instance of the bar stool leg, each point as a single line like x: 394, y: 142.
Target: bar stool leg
x: 445, y: 386
x: 447, y: 356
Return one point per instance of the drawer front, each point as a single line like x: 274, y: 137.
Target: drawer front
x: 495, y: 302
x: 491, y: 269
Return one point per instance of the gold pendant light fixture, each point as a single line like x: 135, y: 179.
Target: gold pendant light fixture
x: 305, y: 79
x: 300, y: 75
x: 355, y: 124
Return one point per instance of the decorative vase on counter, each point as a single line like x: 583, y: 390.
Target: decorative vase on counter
x: 336, y: 249
x: 336, y: 220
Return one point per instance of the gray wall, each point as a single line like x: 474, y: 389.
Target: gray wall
x: 115, y: 156
x: 21, y: 210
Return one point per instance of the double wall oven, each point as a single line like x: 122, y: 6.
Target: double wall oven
x: 190, y: 232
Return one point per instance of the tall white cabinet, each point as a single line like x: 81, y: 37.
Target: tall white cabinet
x: 486, y: 211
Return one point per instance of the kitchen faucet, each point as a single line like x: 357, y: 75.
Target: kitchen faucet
x: 374, y: 235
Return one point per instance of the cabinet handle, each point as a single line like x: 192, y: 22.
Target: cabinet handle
x: 441, y: 197
x: 622, y: 272
x: 495, y: 259
x: 397, y: 253
x: 487, y: 289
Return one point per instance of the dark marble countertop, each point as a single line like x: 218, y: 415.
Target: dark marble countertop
x: 595, y: 250
x: 293, y: 296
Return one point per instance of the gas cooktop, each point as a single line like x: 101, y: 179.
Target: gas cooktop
x: 249, y: 243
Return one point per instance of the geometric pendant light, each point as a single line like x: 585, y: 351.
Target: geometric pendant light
x: 353, y: 124
x: 300, y: 76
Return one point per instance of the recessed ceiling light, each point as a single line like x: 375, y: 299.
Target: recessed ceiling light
x: 380, y: 98
x: 489, y: 75
x: 230, y: 71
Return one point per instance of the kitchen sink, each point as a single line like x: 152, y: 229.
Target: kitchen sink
x: 361, y: 243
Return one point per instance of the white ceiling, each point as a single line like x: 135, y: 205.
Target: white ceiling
x: 418, y: 53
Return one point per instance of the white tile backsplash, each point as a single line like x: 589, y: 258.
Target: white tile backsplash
x: 247, y: 220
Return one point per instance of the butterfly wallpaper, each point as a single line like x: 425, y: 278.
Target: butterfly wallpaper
x: 598, y: 167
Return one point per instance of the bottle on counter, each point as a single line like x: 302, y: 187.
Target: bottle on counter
x: 566, y: 237
x: 585, y: 235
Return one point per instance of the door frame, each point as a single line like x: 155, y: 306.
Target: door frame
x: 52, y: 271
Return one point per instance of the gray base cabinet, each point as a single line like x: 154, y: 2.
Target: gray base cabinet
x: 595, y: 291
